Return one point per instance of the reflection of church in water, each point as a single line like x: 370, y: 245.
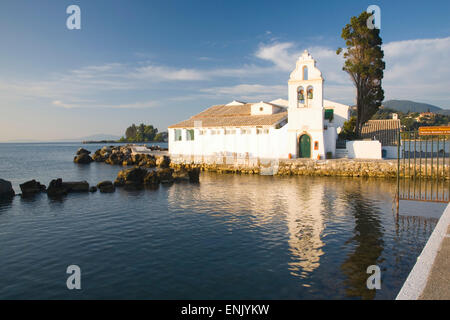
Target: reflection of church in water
x: 301, y: 210
x: 295, y: 216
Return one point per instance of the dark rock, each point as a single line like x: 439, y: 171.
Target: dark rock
x: 119, y: 182
x: 165, y: 175
x: 106, y: 149
x: 93, y: 189
x: 76, y: 186
x: 6, y: 189
x: 129, y: 185
x: 180, y: 175
x: 149, y: 161
x: 82, y: 151
x: 32, y: 187
x: 163, y: 162
x: 194, y: 175
x: 136, y: 158
x: 98, y: 156
x: 56, y: 188
x: 151, y: 178
x: 115, y: 159
x: 131, y: 176
x: 83, y: 158
x: 106, y: 187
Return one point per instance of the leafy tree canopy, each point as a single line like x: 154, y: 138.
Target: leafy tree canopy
x: 140, y: 133
x: 364, y: 63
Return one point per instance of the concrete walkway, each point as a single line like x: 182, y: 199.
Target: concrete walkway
x: 438, y: 284
x: 430, y: 277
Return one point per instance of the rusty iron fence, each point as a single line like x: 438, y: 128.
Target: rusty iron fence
x: 423, y: 166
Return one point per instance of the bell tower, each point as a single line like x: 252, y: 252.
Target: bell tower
x: 306, y: 84
x: 305, y: 111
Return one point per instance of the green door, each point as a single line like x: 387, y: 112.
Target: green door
x: 304, y: 146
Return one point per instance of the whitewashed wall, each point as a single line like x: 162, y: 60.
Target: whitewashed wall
x: 330, y: 137
x: 341, y: 112
x: 271, y: 145
x: 391, y: 152
x: 364, y: 149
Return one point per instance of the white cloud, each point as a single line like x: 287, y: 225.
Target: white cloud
x: 164, y: 73
x: 418, y: 70
x: 278, y: 54
x: 284, y: 55
x: 415, y: 69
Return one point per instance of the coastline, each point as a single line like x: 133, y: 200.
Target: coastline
x: 118, y: 141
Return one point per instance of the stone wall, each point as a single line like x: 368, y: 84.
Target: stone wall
x: 332, y: 167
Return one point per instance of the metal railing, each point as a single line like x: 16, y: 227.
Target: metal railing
x: 423, y: 168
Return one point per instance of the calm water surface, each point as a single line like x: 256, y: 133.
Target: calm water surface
x: 231, y: 237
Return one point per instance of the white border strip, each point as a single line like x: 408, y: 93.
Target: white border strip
x: 417, y: 279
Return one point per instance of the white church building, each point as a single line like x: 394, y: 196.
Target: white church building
x: 304, y: 126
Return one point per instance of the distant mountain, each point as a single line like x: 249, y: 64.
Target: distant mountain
x: 406, y: 106
x: 99, y: 137
x: 94, y: 137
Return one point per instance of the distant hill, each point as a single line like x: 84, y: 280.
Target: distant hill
x: 406, y: 106
x: 94, y: 137
x: 99, y: 137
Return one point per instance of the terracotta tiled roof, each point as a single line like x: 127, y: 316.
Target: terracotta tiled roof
x: 225, y: 111
x: 231, y: 116
x: 384, y: 131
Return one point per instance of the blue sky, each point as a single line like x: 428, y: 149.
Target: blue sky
x: 159, y: 62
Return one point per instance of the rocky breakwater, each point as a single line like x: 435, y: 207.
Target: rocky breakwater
x: 56, y: 187
x: 122, y: 155
x: 139, y: 177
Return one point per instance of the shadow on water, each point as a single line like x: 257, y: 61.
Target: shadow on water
x: 5, y: 204
x: 368, y: 241
x: 32, y: 198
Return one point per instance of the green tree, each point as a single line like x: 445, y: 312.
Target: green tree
x: 131, y: 132
x: 364, y: 63
x: 161, y: 137
x: 150, y: 133
x: 348, y: 130
x: 409, y: 123
x: 140, y: 133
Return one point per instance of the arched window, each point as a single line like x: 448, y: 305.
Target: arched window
x: 301, y: 95
x: 310, y: 92
x: 305, y: 73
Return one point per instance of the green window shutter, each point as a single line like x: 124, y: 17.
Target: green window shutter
x: 177, y: 135
x: 189, y: 135
x: 329, y: 114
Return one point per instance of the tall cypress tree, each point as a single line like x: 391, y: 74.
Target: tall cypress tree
x: 364, y: 63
